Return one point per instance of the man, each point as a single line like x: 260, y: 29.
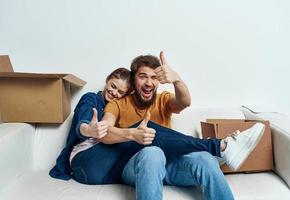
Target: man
x: 148, y: 168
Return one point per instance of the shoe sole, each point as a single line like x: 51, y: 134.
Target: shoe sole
x: 247, y: 150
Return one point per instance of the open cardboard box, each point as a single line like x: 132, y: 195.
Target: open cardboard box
x: 261, y: 158
x: 34, y: 97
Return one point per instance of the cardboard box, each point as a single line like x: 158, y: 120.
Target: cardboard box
x: 34, y: 97
x: 261, y: 158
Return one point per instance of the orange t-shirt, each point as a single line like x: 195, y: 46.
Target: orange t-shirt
x: 127, y: 113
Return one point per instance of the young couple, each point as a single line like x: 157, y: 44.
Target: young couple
x: 122, y: 135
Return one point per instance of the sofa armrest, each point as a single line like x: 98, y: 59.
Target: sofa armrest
x: 16, y: 140
x: 281, y: 148
x: 280, y: 128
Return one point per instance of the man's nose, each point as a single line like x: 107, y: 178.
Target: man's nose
x: 148, y: 82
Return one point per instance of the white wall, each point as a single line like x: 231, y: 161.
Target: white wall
x: 229, y: 52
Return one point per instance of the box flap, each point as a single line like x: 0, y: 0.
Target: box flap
x: 29, y: 75
x: 72, y: 79
x: 224, y: 121
x: 208, y: 130
x: 229, y: 121
x: 67, y: 77
x: 5, y: 64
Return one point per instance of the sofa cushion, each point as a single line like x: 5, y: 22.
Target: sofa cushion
x: 188, y: 121
x: 15, y: 149
x: 49, y: 140
x: 39, y: 185
x: 264, y: 186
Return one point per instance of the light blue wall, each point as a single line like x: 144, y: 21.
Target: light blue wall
x: 229, y: 52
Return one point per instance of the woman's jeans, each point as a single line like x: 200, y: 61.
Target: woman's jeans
x: 104, y: 164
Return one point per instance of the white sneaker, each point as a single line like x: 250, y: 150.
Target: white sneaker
x: 240, y: 145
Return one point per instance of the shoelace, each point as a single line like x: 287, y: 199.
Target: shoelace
x: 234, y: 135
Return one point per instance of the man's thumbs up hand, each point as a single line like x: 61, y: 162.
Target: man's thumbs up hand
x: 162, y: 58
x: 144, y: 135
x: 95, y: 128
x: 164, y: 73
x: 145, y: 120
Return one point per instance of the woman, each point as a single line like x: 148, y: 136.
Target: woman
x: 117, y: 85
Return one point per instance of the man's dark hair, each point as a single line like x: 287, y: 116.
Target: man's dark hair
x: 147, y: 60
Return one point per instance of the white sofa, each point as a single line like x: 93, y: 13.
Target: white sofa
x: 27, y: 153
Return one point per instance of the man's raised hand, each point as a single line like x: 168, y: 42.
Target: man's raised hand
x: 144, y: 135
x: 164, y: 73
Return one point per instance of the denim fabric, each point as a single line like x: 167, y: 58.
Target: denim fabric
x: 176, y: 143
x: 103, y: 164
x: 82, y: 113
x: 199, y: 169
x: 146, y: 170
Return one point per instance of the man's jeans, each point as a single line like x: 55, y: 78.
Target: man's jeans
x: 147, y: 170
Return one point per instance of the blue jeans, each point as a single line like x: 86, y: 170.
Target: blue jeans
x: 147, y: 170
x: 104, y: 164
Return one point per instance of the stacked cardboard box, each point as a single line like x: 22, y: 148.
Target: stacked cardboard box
x: 261, y: 158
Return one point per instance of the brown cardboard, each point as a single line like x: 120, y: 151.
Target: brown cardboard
x: 5, y: 64
x: 261, y: 158
x: 35, y: 97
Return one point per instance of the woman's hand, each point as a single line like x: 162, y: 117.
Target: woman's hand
x: 95, y: 129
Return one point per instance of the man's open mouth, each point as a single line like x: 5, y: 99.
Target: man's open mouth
x: 147, y: 92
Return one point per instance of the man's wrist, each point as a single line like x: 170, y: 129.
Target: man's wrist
x: 176, y: 77
x: 129, y: 133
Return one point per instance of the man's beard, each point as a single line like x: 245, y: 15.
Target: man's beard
x: 140, y: 102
